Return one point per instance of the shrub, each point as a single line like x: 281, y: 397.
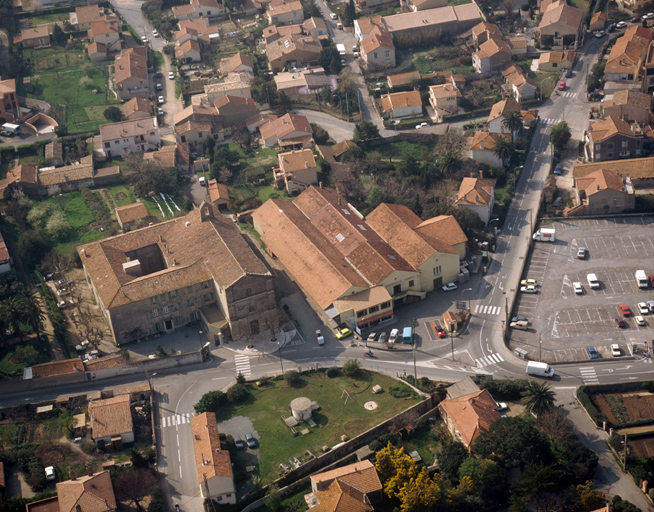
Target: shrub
x: 237, y: 393
x: 292, y: 377
x: 351, y: 368
x: 375, y: 446
x: 240, y: 378
x: 388, y: 438
x: 401, y: 390
x: 210, y: 401
x: 333, y: 372
x: 502, y: 389
x: 584, y: 398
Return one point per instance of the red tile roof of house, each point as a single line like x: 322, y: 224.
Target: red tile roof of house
x: 111, y: 416
x: 471, y: 414
x: 397, y: 100
x: 56, y: 368
x: 211, y: 459
x: 475, y: 191
x: 599, y: 180
x: 131, y: 212
x: 217, y: 191
x: 87, y: 494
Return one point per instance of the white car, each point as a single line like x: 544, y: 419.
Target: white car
x: 161, y: 99
x: 642, y: 308
x: 620, y: 24
x: 449, y: 287
x: 144, y: 39
x: 577, y: 288
x: 171, y: 75
x: 648, y: 15
x: 615, y: 350
x: 501, y: 406
x: 529, y: 289
x: 160, y: 111
x: 650, y: 304
x: 155, y: 33
x: 333, y: 16
x: 50, y: 473
x: 600, y: 34
x: 639, y: 320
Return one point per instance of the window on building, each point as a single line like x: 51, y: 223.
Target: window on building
x: 387, y: 54
x: 158, y: 326
x: 610, y: 155
x: 155, y: 312
x: 194, y: 316
x: 411, y: 283
x: 206, y: 285
x: 373, y: 309
x: 172, y: 294
x: 625, y: 143
x: 192, y: 301
x: 162, y: 297
x: 177, y: 306
x: 183, y: 138
x: 385, y: 305
x: 153, y: 300
x: 361, y: 313
x: 189, y: 289
x: 598, y: 147
x: 179, y: 320
x: 610, y: 146
x: 374, y: 55
x: 107, y: 144
x: 164, y: 310
x: 208, y: 297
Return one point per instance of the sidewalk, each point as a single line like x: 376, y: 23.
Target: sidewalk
x: 609, y: 477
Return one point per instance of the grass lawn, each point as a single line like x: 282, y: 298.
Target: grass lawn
x: 77, y: 212
x: 266, y: 405
x: 293, y: 501
x: 396, y: 151
x: 458, y: 2
x: 425, y: 443
x: 8, y: 367
x: 584, y: 5
x: 48, y: 18
x: 55, y: 57
x: 122, y: 195
x: 64, y: 78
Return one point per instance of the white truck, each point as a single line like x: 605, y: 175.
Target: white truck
x: 11, y: 128
x: 341, y: 50
x: 539, y: 369
x: 320, y: 339
x: 641, y: 278
x: 593, y: 282
x: 545, y: 235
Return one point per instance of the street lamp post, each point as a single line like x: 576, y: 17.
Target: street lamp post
x: 415, y: 370
x: 279, y: 350
x: 468, y: 290
x: 452, y: 341
x: 540, y: 349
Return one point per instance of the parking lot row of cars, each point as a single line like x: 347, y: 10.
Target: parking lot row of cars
x: 249, y: 439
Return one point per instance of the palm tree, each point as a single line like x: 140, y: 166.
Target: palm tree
x: 449, y: 162
x: 503, y: 149
x: 538, y: 397
x: 33, y: 311
x: 512, y: 121
x: 15, y: 314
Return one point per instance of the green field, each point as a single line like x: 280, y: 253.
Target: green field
x: 268, y: 404
x: 8, y: 367
x: 48, y: 18
x: 66, y: 77
x: 77, y: 212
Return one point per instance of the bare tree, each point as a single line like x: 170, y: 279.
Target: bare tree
x: 54, y: 190
x: 17, y: 194
x: 88, y: 328
x: 135, y: 486
x: 224, y: 175
x: 509, y: 7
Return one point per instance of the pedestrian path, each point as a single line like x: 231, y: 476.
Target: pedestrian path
x: 588, y: 375
x: 567, y: 94
x: 549, y: 121
x: 487, y: 310
x: 176, y: 419
x: 243, y: 365
x: 487, y: 360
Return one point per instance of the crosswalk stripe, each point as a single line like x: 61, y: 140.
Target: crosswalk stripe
x: 485, y: 308
x: 499, y: 357
x: 492, y: 358
x: 477, y: 308
x: 496, y: 310
x: 479, y: 363
x: 486, y: 361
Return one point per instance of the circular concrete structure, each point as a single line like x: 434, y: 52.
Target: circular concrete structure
x: 301, y: 408
x: 371, y: 405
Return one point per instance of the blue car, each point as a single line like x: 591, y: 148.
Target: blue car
x: 558, y: 170
x: 592, y: 353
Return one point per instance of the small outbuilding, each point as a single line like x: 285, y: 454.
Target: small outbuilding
x: 301, y: 408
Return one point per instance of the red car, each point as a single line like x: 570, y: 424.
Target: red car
x: 440, y: 332
x: 561, y: 85
x: 624, y: 309
x: 620, y: 322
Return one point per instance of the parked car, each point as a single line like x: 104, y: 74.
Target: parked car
x: 620, y: 24
x: 519, y: 319
x: 395, y: 333
x: 592, y: 353
x: 144, y: 39
x: 251, y: 441
x: 615, y: 350
x: 577, y: 288
x: 599, y: 34
x: 528, y: 282
x: 372, y: 336
x: 343, y: 333
x: 449, y: 287
x: 561, y: 85
x: 624, y: 309
x: 558, y: 170
x: 581, y: 253
x: 161, y: 99
x: 158, y: 87
x: 383, y: 337
x: 529, y: 289
x: 440, y: 332
x: 568, y: 73
x: 650, y: 304
x: 333, y: 16
x: 171, y: 75
x: 643, y: 309
x: 648, y: 16
x: 639, y: 320
x: 238, y: 442
x: 155, y: 33
x: 157, y: 74
x: 595, y: 96
x: 610, y: 28
x: 160, y: 111
x: 501, y: 406
x: 620, y: 322
x: 50, y: 473
x: 635, y: 19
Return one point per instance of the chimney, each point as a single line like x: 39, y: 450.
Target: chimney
x: 598, y: 187
x: 320, y: 183
x: 481, y: 144
x: 89, y: 470
x: 406, y: 101
x: 481, y: 174
x: 306, y: 165
x: 71, y: 474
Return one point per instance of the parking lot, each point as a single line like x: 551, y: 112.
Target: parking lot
x: 567, y: 323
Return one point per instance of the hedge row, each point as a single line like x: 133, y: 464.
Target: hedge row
x: 503, y: 389
x: 583, y: 395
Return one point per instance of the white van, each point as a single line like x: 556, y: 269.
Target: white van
x: 203, y: 181
x: 395, y: 333
x: 540, y: 369
x: 593, y: 282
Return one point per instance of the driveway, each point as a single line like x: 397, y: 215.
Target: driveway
x: 337, y: 128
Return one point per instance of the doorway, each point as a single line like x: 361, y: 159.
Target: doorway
x: 254, y: 327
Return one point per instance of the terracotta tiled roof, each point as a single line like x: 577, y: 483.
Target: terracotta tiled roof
x: 87, y: 494
x: 377, y: 41
x: 503, y: 107
x: 557, y: 57
x: 233, y: 100
x: 339, y: 496
x: 517, y: 42
x: 488, y: 140
x: 475, y: 191
x: 276, y: 10
x: 240, y: 59
x: 396, y: 100
x: 285, y: 125
x: 69, y: 173
x: 341, y: 147
x: 131, y: 63
x: 432, y: 17
x: 638, y: 34
x: 200, y: 25
x: 402, y: 78
x: 24, y: 174
x: 202, y: 250
x: 296, y: 160
x: 443, y: 227
x: 165, y: 157
x: 190, y: 45
x: 56, y: 368
x: 181, y: 10
x: 34, y: 33
x: 608, y: 127
x: 629, y: 97
x: 361, y: 475
x: 105, y: 362
x: 291, y: 44
x: 217, y: 191
x: 625, y: 57
x: 8, y: 86
x: 482, y: 27
x: 131, y: 212
x: 111, y: 416
x: 4, y: 255
x: 565, y: 14
x: 491, y: 48
x: 231, y: 83
x: 635, y: 168
x: 444, y: 91
x: 211, y: 460
x: 87, y: 13
x: 395, y: 223
x: 104, y: 26
x: 598, y: 17
x: 363, y: 299
x: 94, y: 48
x: 281, y: 31
x: 600, y: 180
x: 366, y: 25
x: 195, y: 112
x: 471, y: 414
x: 193, y: 126
x: 126, y: 129
x: 137, y: 105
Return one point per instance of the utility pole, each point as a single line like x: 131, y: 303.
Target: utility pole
x: 452, y: 342
x: 540, y: 349
x: 279, y: 349
x: 624, y: 456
